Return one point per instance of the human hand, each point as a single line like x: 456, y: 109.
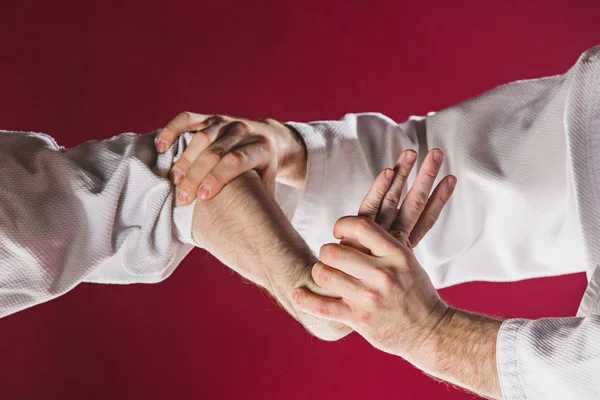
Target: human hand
x: 419, y: 212
x: 386, y: 296
x: 226, y: 147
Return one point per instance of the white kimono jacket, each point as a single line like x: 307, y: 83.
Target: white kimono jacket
x: 527, y: 204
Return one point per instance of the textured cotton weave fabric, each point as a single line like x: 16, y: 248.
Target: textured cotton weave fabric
x: 526, y: 205
x: 100, y: 212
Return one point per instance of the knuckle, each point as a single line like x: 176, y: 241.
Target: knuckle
x: 268, y: 121
x: 185, y: 116
x: 189, y: 185
x: 195, y: 175
x: 418, y: 205
x: 325, y: 311
x: 268, y: 145
x: 300, y: 298
x: 402, y: 174
x: 213, y: 179
x: 392, y: 199
x: 183, y: 164
x: 213, y: 119
x: 323, y: 251
x: 431, y: 175
x: 385, y: 278
x: 371, y: 208
x: 444, y: 197
x: 331, y: 252
x: 321, y: 275
x: 364, y: 318
x: 429, y: 223
x: 380, y: 192
x: 373, y: 298
x: 402, y: 260
x: 216, y: 153
x: 239, y: 127
x: 365, y: 224
x: 200, y: 137
x: 237, y: 158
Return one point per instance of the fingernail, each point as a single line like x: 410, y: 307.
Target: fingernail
x: 389, y: 174
x: 452, y: 182
x: 438, y: 156
x: 161, y: 146
x: 176, y: 176
x: 411, y: 157
x: 204, y: 191
x: 182, y: 196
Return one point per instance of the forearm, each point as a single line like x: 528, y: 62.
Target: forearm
x: 462, y: 351
x: 246, y: 230
x: 99, y: 212
x: 293, y: 170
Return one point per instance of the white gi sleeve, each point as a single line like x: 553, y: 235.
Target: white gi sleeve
x: 100, y: 212
x: 559, y: 358
x: 512, y: 215
x: 527, y: 160
x: 549, y: 358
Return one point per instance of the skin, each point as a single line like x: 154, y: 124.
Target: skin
x: 268, y: 251
x: 370, y: 282
x: 224, y: 148
x: 388, y: 298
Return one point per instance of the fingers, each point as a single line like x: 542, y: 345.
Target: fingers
x: 199, y: 142
x: 438, y: 200
x: 355, y: 244
x: 212, y: 129
x: 347, y: 259
x: 367, y: 232
x: 269, y: 175
x: 370, y: 204
x: 389, y: 206
x: 335, y: 280
x: 195, y: 167
x: 320, y: 306
x: 178, y: 125
x: 233, y: 164
x: 416, y: 200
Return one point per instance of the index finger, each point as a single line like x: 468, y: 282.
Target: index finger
x: 368, y: 233
x: 182, y: 123
x: 371, y: 203
x: 417, y: 197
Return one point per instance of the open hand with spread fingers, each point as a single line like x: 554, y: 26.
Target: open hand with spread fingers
x: 386, y: 296
x: 419, y: 211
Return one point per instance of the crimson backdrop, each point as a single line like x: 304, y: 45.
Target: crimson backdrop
x: 87, y: 70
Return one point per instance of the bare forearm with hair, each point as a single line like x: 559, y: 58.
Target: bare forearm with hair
x: 245, y: 229
x: 462, y: 351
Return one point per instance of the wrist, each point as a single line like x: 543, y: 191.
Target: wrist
x: 462, y: 351
x: 423, y: 351
x: 292, y: 169
x: 428, y: 353
x: 281, y: 287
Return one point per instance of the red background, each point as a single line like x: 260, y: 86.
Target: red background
x: 88, y: 70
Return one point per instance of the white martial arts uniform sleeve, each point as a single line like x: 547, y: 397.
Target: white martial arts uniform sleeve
x: 550, y: 358
x: 559, y: 358
x: 527, y: 158
x: 343, y: 159
x: 100, y: 212
x: 512, y: 215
